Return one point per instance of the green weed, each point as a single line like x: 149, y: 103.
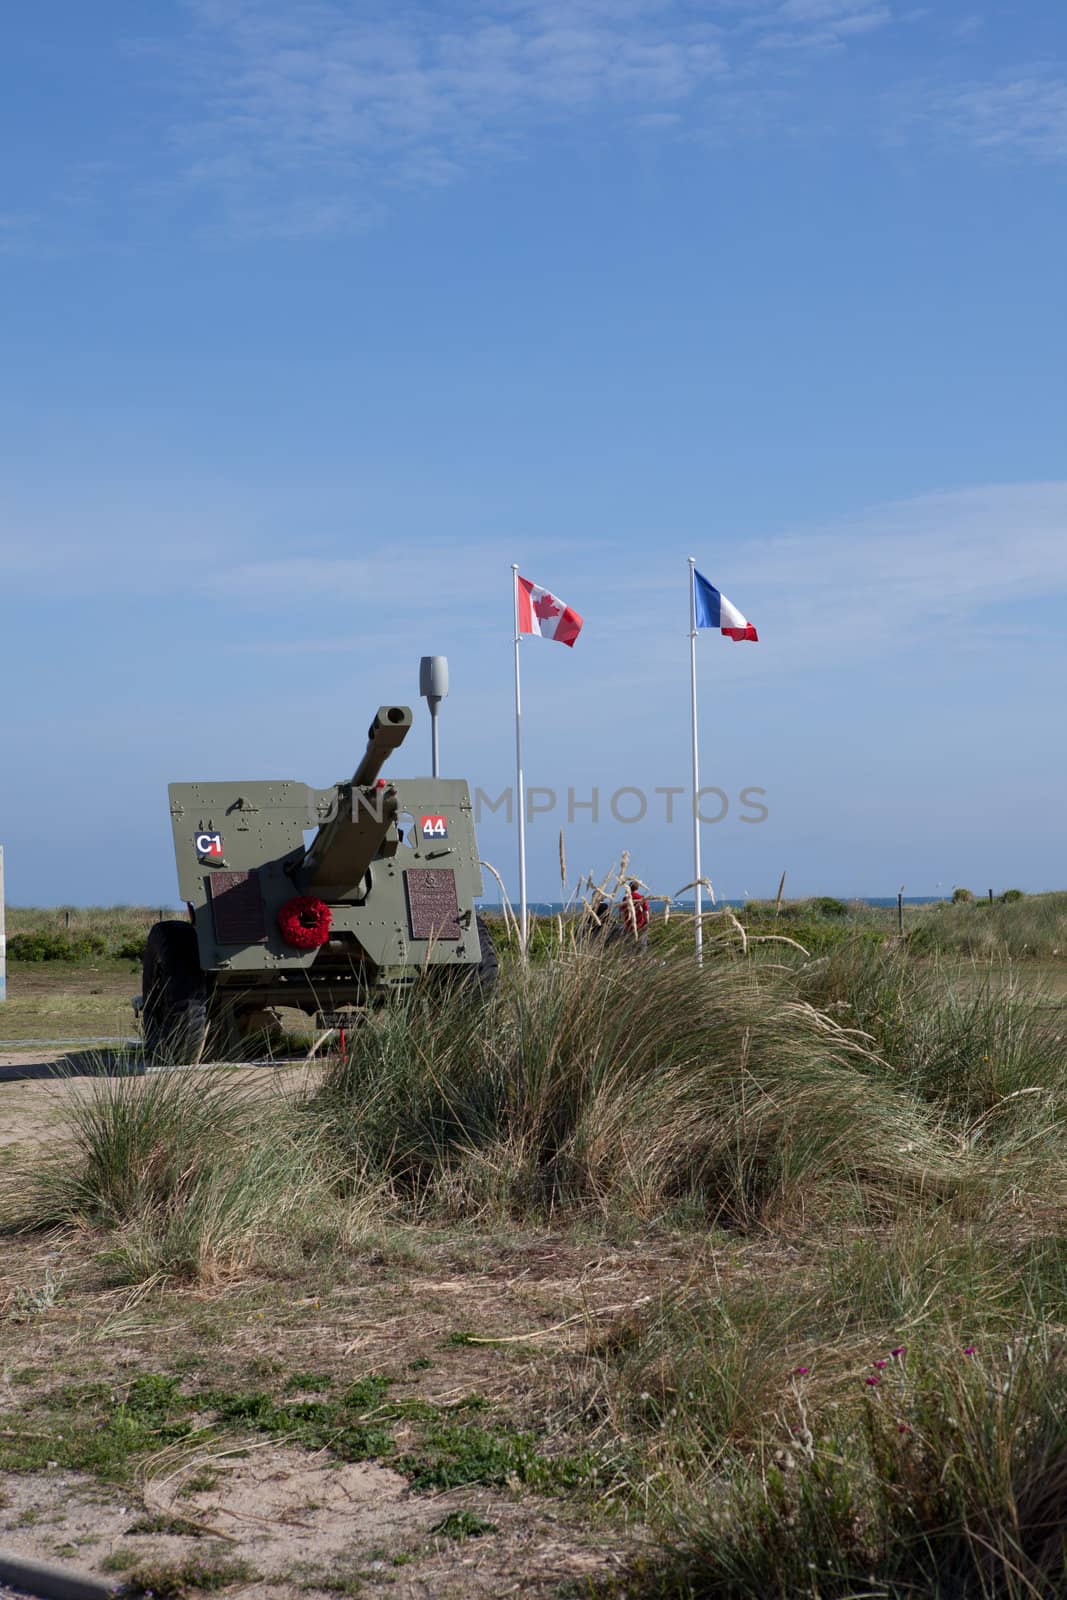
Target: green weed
x: 164, y: 1580
x: 338, y: 1427
x: 463, y: 1525
x: 308, y: 1382
x: 449, y: 1455
x: 94, y: 1428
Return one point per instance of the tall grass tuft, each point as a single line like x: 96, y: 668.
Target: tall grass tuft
x: 967, y: 1038
x: 189, y: 1172
x: 606, y: 1080
x: 949, y: 1479
x: 888, y: 1422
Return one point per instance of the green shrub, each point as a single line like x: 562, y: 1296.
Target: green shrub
x: 72, y: 933
x: 827, y: 906
x: 961, y: 897
x: 1010, y: 896
x: 47, y: 945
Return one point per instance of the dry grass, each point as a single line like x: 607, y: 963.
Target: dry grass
x: 826, y: 1161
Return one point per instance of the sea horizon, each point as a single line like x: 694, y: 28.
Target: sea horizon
x: 552, y: 908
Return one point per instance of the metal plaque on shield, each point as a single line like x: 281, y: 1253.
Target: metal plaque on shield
x: 237, y: 907
x: 433, y: 910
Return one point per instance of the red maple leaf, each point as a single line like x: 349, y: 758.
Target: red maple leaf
x: 546, y: 607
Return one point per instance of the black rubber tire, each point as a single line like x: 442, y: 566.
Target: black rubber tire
x: 175, y: 994
x: 488, y: 966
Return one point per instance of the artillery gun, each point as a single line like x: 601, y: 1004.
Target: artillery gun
x: 382, y: 896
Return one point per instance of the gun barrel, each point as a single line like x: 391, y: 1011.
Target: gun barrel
x: 343, y: 848
x: 385, y: 734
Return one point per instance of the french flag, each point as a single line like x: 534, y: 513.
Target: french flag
x: 713, y: 610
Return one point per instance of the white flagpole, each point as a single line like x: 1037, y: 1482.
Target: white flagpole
x: 519, y: 783
x: 698, y: 925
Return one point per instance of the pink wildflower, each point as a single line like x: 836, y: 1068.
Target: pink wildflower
x: 801, y: 1372
x: 899, y: 1351
x: 969, y: 1349
x: 872, y: 1380
x: 879, y: 1364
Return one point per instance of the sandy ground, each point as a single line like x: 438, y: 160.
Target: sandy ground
x: 294, y: 1518
x: 299, y: 1519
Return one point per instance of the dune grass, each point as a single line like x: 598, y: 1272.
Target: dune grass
x: 747, y: 1095
x: 606, y: 1081
x: 1030, y: 928
x: 888, y: 1423
x: 872, y: 1401
x: 186, y: 1175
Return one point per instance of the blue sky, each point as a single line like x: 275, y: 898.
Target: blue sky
x: 316, y: 315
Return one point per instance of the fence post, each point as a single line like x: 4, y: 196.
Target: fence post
x: 900, y: 912
x: 990, y: 897
x: 3, y: 937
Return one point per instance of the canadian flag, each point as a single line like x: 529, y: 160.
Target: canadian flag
x: 541, y: 612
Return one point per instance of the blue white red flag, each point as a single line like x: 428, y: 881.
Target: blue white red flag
x: 713, y: 610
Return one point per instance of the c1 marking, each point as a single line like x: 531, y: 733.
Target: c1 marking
x: 208, y: 844
x: 433, y: 827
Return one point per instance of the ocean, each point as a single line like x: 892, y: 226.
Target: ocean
x: 552, y: 908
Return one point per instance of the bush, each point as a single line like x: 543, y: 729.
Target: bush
x: 86, y: 933
x: 884, y: 1418
x: 962, y: 897
x: 1020, y: 926
x: 827, y: 906
x: 46, y: 945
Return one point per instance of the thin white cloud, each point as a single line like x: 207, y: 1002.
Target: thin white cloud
x: 1025, y: 114
x: 343, y: 106
x: 818, y: 25
x: 956, y: 569
x: 962, y: 559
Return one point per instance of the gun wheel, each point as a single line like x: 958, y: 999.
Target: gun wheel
x: 175, y: 991
x: 488, y: 967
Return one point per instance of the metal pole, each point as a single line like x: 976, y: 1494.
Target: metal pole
x: 520, y: 798
x: 435, y: 752
x: 698, y: 926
